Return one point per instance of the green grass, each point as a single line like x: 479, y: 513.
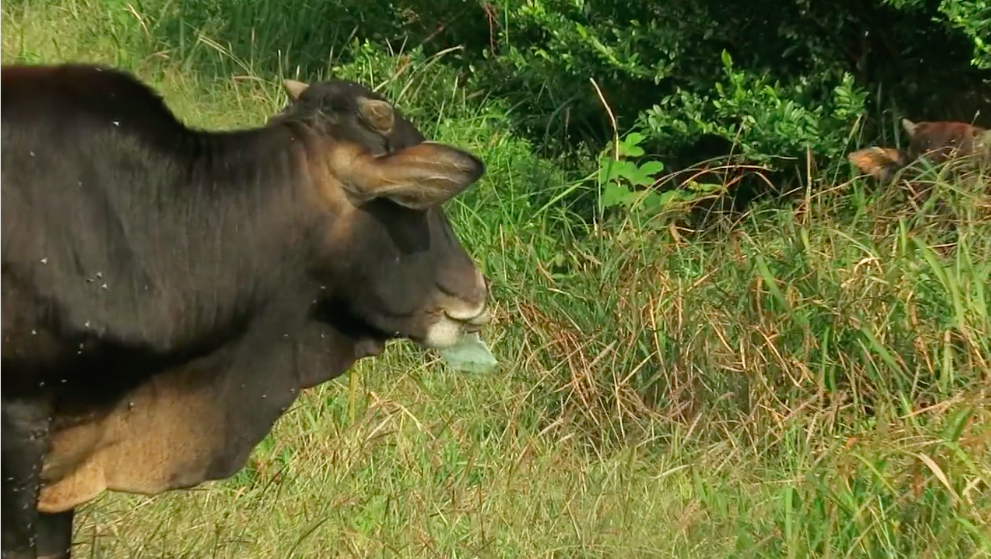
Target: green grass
x: 809, y: 383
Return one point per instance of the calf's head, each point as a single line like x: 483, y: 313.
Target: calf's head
x: 389, y: 259
x: 935, y: 141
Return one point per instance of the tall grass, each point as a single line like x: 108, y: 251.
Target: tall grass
x: 799, y: 383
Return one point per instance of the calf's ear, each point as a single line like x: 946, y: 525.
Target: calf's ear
x: 984, y: 140
x: 909, y: 127
x: 881, y: 163
x: 418, y: 177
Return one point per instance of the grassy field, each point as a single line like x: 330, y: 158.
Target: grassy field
x: 801, y: 383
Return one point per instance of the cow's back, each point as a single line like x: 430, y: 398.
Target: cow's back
x: 115, y: 218
x: 75, y: 157
x: 74, y: 149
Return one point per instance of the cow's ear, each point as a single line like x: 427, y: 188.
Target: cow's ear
x: 910, y: 127
x: 294, y: 88
x: 418, y: 177
x: 879, y: 162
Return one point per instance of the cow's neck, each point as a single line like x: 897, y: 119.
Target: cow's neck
x: 238, y: 211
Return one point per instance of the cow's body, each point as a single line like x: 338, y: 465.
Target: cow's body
x: 936, y: 142
x: 168, y: 292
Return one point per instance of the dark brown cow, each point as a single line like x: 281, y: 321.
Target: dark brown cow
x: 935, y: 141
x: 181, y: 283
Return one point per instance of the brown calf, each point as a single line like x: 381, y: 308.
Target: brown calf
x: 936, y: 141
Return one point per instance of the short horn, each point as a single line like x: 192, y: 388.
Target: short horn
x: 378, y: 114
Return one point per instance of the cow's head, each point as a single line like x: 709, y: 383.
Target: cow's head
x: 935, y: 141
x: 390, y: 261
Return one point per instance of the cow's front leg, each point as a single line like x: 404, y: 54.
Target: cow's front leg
x: 24, y: 443
x: 55, y: 535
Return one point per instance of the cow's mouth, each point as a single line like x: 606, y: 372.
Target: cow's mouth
x: 450, y: 327
x: 446, y: 327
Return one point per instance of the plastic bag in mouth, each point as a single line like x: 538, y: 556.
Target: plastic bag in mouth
x: 470, y: 354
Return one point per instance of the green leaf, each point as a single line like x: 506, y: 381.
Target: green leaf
x: 652, y: 167
x: 629, y: 146
x: 610, y: 170
x: 669, y: 197
x: 727, y: 59
x: 628, y: 170
x: 642, y: 179
x: 633, y: 139
x: 615, y: 195
x: 706, y: 187
x: 630, y: 151
x: 652, y: 201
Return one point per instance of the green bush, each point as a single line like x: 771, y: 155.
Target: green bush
x: 769, y: 121
x: 973, y: 17
x: 801, y: 69
x: 768, y: 80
